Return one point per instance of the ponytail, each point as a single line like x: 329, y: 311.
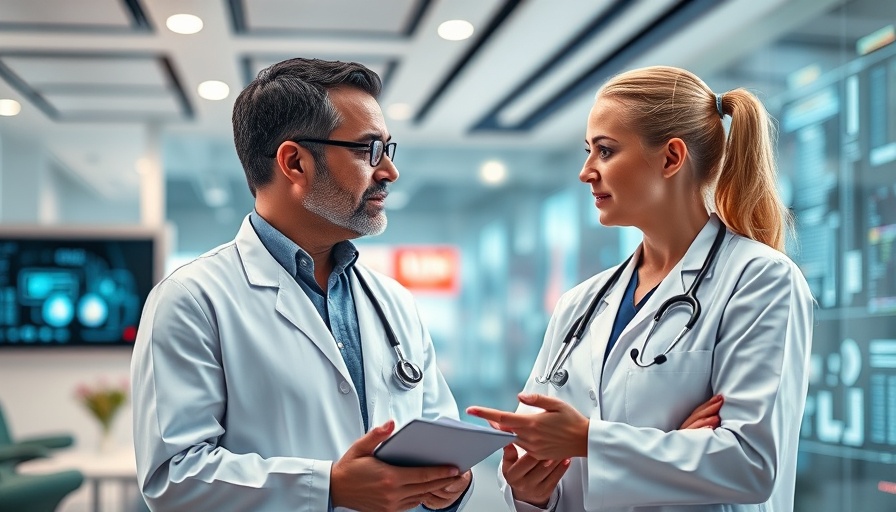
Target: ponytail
x: 738, y: 176
x: 746, y: 194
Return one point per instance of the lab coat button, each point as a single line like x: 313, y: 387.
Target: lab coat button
x: 592, y: 394
x: 344, y: 387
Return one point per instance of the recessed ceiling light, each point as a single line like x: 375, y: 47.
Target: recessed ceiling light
x: 213, y: 90
x: 493, y: 172
x: 10, y: 107
x: 456, y: 30
x: 399, y: 111
x: 184, y: 23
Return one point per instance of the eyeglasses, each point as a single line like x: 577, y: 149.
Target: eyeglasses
x: 377, y: 148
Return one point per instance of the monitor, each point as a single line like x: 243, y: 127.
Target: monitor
x: 74, y: 288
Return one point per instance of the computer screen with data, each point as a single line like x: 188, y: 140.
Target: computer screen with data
x: 68, y: 291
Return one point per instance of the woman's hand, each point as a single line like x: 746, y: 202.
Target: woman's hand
x: 705, y: 415
x: 532, y: 480
x: 559, y: 432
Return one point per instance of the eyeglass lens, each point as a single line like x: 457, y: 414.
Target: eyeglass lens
x: 378, y: 148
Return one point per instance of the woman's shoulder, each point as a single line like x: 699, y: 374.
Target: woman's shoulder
x: 759, y: 261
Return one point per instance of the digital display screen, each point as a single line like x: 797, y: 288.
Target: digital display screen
x: 57, y: 292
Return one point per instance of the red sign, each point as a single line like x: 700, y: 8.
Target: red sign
x: 428, y: 268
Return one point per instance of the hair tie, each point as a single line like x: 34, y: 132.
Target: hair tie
x: 719, y: 105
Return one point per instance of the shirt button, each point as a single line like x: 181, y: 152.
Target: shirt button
x: 592, y: 394
x: 344, y: 387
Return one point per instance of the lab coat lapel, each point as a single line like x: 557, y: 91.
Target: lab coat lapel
x: 598, y: 333
x: 292, y: 302
x: 677, y: 282
x: 373, y: 344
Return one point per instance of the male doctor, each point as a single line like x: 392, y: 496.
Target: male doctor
x: 263, y: 377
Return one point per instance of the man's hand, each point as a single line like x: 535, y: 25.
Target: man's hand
x: 360, y: 481
x: 443, y: 498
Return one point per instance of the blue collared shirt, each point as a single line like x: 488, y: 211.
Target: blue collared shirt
x: 335, y: 305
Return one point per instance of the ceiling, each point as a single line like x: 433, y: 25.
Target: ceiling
x: 104, y: 83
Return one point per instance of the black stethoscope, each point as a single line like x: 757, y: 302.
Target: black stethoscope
x: 557, y: 375
x: 406, y: 373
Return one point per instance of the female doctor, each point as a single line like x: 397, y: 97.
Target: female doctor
x: 707, y: 305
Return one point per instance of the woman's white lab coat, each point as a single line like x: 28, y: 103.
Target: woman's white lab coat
x: 241, y: 398
x: 751, y: 344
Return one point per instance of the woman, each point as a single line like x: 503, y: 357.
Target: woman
x: 597, y: 429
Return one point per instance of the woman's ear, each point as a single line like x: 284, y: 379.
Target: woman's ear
x: 675, y: 153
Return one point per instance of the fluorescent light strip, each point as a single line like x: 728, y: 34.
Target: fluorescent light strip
x: 594, y: 51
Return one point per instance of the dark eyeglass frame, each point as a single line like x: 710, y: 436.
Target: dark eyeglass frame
x: 376, y: 148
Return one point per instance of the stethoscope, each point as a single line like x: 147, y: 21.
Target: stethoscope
x: 406, y: 373
x: 557, y: 375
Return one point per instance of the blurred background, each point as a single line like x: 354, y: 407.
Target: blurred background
x: 117, y: 165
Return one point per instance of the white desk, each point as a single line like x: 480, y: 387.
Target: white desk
x: 116, y: 466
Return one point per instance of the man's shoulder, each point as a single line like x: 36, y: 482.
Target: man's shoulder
x: 205, y: 266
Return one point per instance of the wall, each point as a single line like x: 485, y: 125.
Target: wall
x: 37, y: 385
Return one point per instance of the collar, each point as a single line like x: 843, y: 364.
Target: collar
x: 292, y: 257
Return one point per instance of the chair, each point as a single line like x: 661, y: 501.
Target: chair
x: 48, y: 442
x: 32, y: 492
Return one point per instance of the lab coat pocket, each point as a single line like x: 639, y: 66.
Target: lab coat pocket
x: 664, y: 395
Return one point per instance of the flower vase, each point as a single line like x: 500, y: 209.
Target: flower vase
x: 106, y: 444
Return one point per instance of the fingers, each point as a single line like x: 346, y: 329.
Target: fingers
x: 711, y: 422
x: 425, y: 475
x: 369, y: 441
x: 705, y: 410
x: 491, y: 415
x: 553, y: 478
x: 522, y: 467
x: 428, y: 487
x: 497, y: 426
x: 542, y: 401
x: 511, y: 455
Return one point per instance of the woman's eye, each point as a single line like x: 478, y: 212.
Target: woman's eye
x: 603, y: 152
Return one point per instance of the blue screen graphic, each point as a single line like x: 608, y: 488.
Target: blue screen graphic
x: 84, y: 292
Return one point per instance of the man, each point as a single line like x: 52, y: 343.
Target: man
x: 262, y: 369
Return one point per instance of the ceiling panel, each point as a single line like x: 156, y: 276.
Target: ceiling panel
x: 338, y: 17
x: 530, y: 69
x: 82, y: 12
x: 80, y: 15
x: 76, y: 104
x: 94, y: 86
x: 108, y: 69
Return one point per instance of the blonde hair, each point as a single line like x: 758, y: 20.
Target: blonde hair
x: 739, y: 174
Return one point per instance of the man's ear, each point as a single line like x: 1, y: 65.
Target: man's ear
x: 294, y: 163
x: 675, y: 153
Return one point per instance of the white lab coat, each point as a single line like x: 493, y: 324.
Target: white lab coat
x: 242, y: 400
x: 751, y: 344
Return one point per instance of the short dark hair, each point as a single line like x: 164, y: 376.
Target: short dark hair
x: 289, y: 100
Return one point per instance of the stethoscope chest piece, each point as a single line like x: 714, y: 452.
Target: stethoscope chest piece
x: 407, y: 374
x: 559, y: 378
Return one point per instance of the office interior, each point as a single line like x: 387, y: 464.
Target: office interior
x: 116, y: 129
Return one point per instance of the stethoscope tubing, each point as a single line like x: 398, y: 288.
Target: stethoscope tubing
x: 556, y: 375
x: 406, y: 373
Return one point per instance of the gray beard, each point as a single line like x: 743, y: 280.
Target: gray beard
x: 328, y: 201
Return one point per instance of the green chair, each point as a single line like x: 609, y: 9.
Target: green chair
x: 32, y: 492
x: 48, y: 442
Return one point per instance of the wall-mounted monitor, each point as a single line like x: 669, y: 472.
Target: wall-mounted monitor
x: 75, y: 287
